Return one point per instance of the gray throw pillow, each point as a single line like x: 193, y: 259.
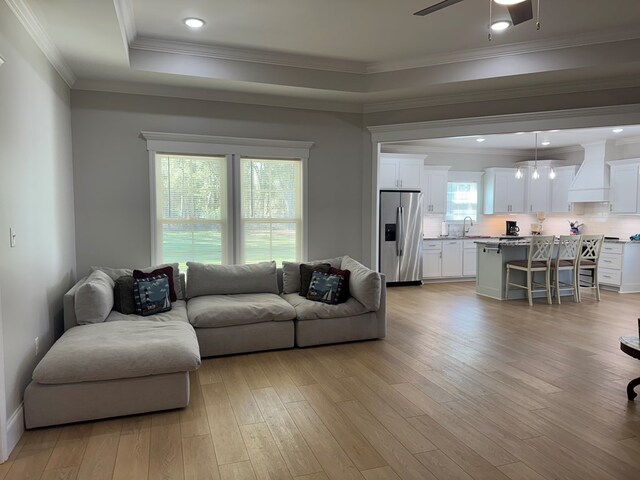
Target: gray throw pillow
x: 306, y: 272
x: 93, y: 300
x: 123, y: 297
x: 364, y: 284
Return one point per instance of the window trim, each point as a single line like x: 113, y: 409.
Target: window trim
x: 466, y: 177
x: 212, y: 145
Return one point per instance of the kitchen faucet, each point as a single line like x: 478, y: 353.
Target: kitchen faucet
x: 465, y: 230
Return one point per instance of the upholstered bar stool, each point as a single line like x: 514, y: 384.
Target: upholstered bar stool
x: 567, y: 260
x: 538, y: 260
x: 590, y: 247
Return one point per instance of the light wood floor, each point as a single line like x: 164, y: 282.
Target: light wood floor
x: 462, y: 388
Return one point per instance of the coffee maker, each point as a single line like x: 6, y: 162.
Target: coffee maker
x: 512, y: 228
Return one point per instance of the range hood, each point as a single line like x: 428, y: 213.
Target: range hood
x: 591, y: 183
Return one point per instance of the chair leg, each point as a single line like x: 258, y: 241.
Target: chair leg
x: 506, y: 287
x: 596, y: 283
x: 557, y: 285
x: 575, y: 287
x: 529, y: 293
x: 577, y: 280
x: 547, y: 275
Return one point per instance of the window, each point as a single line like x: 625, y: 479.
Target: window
x: 271, y: 197
x: 225, y: 200
x: 462, y: 200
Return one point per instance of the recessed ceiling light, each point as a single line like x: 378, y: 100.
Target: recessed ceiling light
x: 508, y: 2
x: 618, y: 130
x: 520, y: 133
x: 500, y: 25
x: 480, y: 140
x: 193, y: 22
x: 545, y: 143
x: 553, y: 131
x: 537, y: 131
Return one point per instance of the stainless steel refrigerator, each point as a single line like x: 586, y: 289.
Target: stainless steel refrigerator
x: 400, y: 257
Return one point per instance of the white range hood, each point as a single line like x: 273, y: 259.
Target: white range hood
x: 591, y: 183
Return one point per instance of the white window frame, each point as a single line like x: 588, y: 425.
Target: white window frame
x: 466, y: 177
x: 231, y: 147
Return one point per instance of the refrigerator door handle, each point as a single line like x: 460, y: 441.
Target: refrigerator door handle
x: 400, y: 234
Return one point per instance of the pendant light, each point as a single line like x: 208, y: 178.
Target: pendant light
x: 519, y: 173
x: 535, y: 175
x: 552, y: 174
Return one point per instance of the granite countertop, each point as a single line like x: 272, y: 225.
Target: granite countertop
x: 516, y: 240
x: 456, y: 237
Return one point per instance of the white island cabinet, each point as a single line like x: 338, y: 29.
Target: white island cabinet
x: 619, y: 266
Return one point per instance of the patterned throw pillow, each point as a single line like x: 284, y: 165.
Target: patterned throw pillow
x: 346, y: 275
x: 152, y: 295
x: 168, y: 271
x: 325, y: 287
x: 306, y: 271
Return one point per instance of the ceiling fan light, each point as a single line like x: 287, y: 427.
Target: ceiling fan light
x: 500, y: 25
x: 508, y: 2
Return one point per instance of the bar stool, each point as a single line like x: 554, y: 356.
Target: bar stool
x: 539, y: 260
x: 567, y: 259
x: 590, y: 247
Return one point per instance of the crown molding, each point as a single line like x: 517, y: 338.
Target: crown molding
x: 247, y: 55
x: 562, y: 150
x: 503, y: 94
x: 126, y: 22
x: 153, y: 90
x: 484, y: 53
x: 218, y: 140
x: 25, y: 15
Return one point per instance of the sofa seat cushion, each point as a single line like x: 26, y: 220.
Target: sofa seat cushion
x: 310, y: 310
x: 178, y: 313
x: 114, y: 350
x: 212, y: 311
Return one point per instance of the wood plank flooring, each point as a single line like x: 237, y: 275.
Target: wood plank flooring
x: 462, y: 388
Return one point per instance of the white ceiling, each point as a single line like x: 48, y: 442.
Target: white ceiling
x: 341, y: 55
x: 526, y: 141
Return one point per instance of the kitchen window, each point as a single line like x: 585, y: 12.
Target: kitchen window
x: 462, y: 200
x: 237, y: 201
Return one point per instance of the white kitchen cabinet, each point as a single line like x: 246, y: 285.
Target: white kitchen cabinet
x: 401, y: 171
x: 452, y: 258
x: 503, y: 192
x: 432, y: 259
x: 618, y: 266
x: 434, y: 189
x: 560, y: 192
x: 623, y: 194
x: 469, y: 258
x: 538, y: 190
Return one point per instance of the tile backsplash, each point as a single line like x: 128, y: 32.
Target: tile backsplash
x: 596, y: 219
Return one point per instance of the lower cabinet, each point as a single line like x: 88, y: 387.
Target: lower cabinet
x: 618, y: 266
x: 453, y: 258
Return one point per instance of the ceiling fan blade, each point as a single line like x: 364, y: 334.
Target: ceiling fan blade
x: 521, y: 12
x: 436, y: 7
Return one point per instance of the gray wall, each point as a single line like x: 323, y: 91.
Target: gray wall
x: 36, y: 198
x: 111, y: 168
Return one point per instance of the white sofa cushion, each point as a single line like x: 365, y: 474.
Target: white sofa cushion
x: 231, y: 279
x: 211, y: 311
x: 364, y: 284
x: 178, y: 313
x: 114, y: 350
x: 310, y: 310
x: 94, y: 298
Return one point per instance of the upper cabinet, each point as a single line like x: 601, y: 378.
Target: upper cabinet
x: 560, y: 191
x: 539, y: 195
x: 503, y: 192
x: 434, y: 189
x: 624, y: 193
x: 399, y: 171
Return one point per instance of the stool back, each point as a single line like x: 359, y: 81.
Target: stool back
x: 541, y: 249
x: 590, y: 247
x: 569, y: 248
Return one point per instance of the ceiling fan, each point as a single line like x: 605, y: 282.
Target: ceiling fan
x: 520, y: 10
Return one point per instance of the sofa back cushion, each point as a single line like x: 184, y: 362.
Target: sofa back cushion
x: 291, y: 273
x: 116, y: 273
x: 231, y: 279
x: 94, y: 298
x: 364, y: 284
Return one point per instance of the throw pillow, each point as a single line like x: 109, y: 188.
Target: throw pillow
x: 345, y: 274
x: 325, y: 287
x: 93, y: 300
x: 123, y: 296
x: 306, y: 271
x: 168, y: 271
x: 152, y: 295
x: 364, y: 284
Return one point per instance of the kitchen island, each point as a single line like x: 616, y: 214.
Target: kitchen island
x: 492, y: 255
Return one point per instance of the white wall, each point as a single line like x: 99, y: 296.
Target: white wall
x: 112, y: 173
x: 36, y: 198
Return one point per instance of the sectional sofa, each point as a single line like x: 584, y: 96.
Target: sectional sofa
x: 125, y: 364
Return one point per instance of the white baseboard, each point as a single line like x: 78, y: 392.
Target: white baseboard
x: 15, y: 428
